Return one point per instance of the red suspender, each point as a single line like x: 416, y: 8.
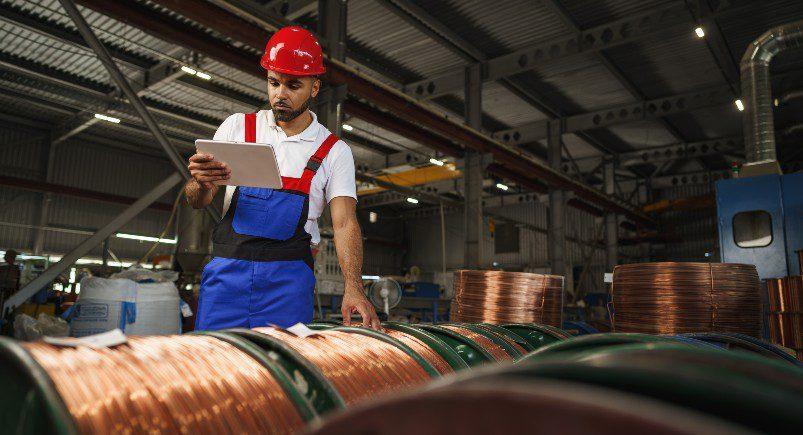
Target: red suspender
x: 303, y: 184
x: 250, y: 127
x: 298, y: 184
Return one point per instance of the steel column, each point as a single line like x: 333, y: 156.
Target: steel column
x: 611, y: 220
x: 47, y: 198
x: 332, y: 18
x: 557, y: 206
x: 473, y: 172
x: 87, y: 245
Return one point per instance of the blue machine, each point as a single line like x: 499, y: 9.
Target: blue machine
x: 761, y: 222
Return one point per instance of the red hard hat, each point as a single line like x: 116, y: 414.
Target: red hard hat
x: 295, y: 51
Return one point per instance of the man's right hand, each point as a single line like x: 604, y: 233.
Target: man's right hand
x: 206, y: 170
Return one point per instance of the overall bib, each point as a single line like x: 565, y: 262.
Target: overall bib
x: 261, y: 271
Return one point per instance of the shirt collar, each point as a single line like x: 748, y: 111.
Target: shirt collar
x: 310, y: 134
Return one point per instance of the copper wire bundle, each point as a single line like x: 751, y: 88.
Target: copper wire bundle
x: 675, y: 298
x: 497, y: 351
x: 167, y: 384
x: 785, y: 297
x: 422, y: 349
x: 491, y: 296
x: 357, y: 365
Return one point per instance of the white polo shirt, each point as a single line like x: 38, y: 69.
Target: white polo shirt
x: 334, y: 178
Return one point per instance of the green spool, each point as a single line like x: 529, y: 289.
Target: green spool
x: 321, y: 326
x: 444, y: 350
x: 595, y: 342
x: 472, y: 353
x: 307, y: 378
x: 510, y: 335
x: 304, y: 408
x: 388, y: 339
x: 29, y: 400
x: 742, y: 388
x: 509, y: 349
x: 537, y: 335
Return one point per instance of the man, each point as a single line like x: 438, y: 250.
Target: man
x: 261, y: 271
x: 9, y: 276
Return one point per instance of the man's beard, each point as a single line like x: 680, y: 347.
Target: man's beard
x: 284, y: 116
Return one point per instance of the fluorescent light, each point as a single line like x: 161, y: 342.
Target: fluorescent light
x: 700, y: 32
x: 739, y: 105
x: 435, y: 161
x: 373, y: 217
x: 412, y: 200
x: 188, y: 70
x: 107, y: 118
x: 203, y: 75
x: 371, y: 277
x: 501, y: 186
x: 347, y: 127
x: 145, y: 238
x: 88, y: 261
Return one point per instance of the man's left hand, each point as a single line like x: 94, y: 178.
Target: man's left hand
x: 354, y: 301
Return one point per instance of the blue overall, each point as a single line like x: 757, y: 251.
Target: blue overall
x: 261, y: 271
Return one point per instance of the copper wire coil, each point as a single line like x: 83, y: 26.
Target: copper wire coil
x: 498, y: 297
x: 675, y: 298
x: 422, y: 349
x: 167, y: 384
x: 785, y: 319
x: 497, y: 351
x: 357, y: 365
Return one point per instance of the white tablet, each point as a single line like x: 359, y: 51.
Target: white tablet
x: 252, y: 164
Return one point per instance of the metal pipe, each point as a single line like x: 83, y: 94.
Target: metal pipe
x: 759, y: 132
x: 118, y: 77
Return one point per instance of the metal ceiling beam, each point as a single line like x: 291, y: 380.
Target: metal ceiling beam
x: 382, y: 95
x: 650, y: 109
x: 689, y: 178
x: 682, y: 151
x: 672, y: 18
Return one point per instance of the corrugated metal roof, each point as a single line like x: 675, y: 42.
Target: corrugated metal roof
x: 370, y: 24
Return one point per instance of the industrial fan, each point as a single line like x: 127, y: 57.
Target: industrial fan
x: 385, y: 294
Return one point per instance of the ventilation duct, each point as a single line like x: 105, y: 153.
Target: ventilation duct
x: 759, y: 133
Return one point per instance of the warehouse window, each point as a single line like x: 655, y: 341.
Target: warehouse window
x: 752, y: 229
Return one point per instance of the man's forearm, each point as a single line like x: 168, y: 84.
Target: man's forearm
x: 197, y: 196
x: 348, y: 243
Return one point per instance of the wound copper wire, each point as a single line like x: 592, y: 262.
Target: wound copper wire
x: 497, y: 351
x: 675, y: 298
x: 785, y: 317
x: 497, y: 297
x: 358, y: 366
x: 167, y: 384
x: 422, y: 349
